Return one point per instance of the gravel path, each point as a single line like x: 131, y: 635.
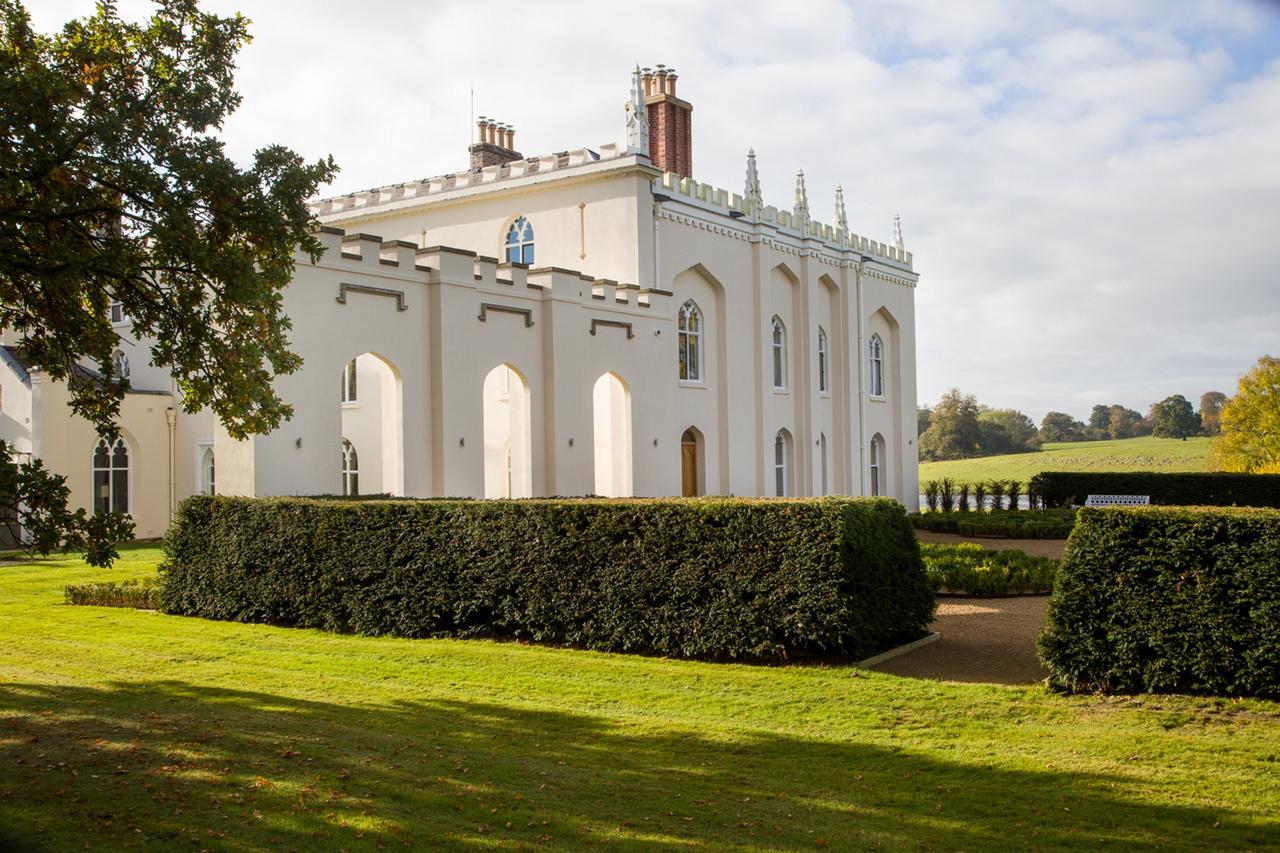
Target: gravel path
x: 989, y: 640
x: 1038, y: 547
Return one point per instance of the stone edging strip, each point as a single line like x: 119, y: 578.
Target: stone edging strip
x: 931, y: 637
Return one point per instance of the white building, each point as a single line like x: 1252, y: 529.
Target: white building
x: 719, y: 345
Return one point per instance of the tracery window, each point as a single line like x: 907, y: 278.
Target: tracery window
x: 779, y: 353
x: 111, y: 476
x: 350, y: 469
x: 120, y: 364
x: 877, y: 452
x: 781, y: 463
x: 822, y: 359
x: 876, y: 365
x: 520, y: 242
x: 689, y: 339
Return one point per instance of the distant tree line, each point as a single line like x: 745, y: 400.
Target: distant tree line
x: 960, y: 427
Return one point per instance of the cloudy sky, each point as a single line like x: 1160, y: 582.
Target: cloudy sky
x: 1091, y: 189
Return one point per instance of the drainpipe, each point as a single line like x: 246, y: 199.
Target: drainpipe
x: 171, y: 415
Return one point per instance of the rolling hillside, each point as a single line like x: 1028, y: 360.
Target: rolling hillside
x: 1129, y: 454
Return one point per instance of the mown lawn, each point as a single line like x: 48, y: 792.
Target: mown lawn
x: 1126, y: 454
x: 126, y: 729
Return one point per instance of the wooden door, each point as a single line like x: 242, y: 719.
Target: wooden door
x: 688, y: 468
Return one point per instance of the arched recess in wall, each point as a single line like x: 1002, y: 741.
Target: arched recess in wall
x: 885, y: 412
x: 885, y: 325
x: 611, y: 407
x: 372, y: 400
x: 700, y: 284
x: 693, y: 464
x: 832, y: 409
x: 508, y: 434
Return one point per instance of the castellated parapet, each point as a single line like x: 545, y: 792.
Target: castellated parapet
x: 402, y: 259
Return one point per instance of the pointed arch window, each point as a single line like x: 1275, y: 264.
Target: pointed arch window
x: 350, y: 469
x: 876, y: 366
x: 120, y: 364
x: 111, y: 476
x: 349, y: 388
x: 519, y: 247
x: 782, y: 463
x: 207, y: 484
x: 876, y: 457
x: 689, y: 341
x: 779, y: 353
x: 823, y: 368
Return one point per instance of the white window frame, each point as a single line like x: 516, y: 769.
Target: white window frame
x: 202, y: 481
x: 781, y: 464
x: 824, y: 363
x: 690, y: 340
x: 875, y: 368
x: 110, y: 470
x: 778, y: 351
x: 875, y: 468
x: 117, y: 315
x: 349, y: 455
x: 523, y: 244
x: 120, y: 364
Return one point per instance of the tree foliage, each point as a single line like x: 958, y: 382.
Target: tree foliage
x: 1174, y: 418
x: 953, y: 431
x: 1059, y: 426
x: 1250, y: 440
x: 1123, y: 422
x: 1007, y: 431
x: 114, y: 188
x: 1211, y: 403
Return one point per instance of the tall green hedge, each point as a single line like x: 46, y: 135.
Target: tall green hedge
x: 1162, y: 599
x: 706, y: 578
x: 1067, y: 488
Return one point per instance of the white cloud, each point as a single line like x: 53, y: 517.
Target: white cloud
x: 1090, y: 188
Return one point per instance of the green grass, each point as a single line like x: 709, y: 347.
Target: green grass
x: 124, y: 729
x: 1126, y: 454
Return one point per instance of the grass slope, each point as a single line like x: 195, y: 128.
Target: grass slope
x: 122, y: 729
x: 1126, y: 454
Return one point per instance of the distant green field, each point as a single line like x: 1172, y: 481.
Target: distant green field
x: 1129, y: 454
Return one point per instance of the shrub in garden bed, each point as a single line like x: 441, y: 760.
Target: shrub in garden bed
x: 1168, y: 600
x: 706, y: 578
x: 1006, y: 524
x: 968, y: 567
x: 139, y: 594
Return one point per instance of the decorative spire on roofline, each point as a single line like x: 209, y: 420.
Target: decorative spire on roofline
x: 897, y: 233
x: 842, y: 221
x: 637, y: 118
x: 752, y: 192
x: 800, y: 210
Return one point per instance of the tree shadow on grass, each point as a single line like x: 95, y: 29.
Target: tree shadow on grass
x: 172, y: 764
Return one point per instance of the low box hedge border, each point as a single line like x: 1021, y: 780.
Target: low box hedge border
x: 999, y: 524
x: 969, y: 569
x: 1168, y: 600
x: 716, y: 578
x: 1072, y: 488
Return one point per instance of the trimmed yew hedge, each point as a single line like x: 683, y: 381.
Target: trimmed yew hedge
x: 1066, y: 488
x: 705, y: 578
x: 1168, y: 600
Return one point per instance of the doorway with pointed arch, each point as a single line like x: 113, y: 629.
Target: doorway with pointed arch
x: 611, y: 405
x: 508, y: 435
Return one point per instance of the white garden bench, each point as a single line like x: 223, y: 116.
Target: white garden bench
x: 1117, y: 500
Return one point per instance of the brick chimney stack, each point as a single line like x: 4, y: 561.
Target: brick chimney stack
x: 670, y: 122
x: 495, y: 144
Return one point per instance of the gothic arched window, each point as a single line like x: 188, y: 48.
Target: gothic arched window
x: 822, y: 359
x: 120, y: 364
x: 350, y: 469
x: 779, y: 353
x: 876, y: 365
x: 877, y: 465
x: 689, y: 339
x: 782, y: 463
x: 520, y: 242
x: 111, y: 476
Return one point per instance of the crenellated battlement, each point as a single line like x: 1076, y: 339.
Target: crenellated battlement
x: 732, y: 204
x: 445, y: 264
x: 363, y: 200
